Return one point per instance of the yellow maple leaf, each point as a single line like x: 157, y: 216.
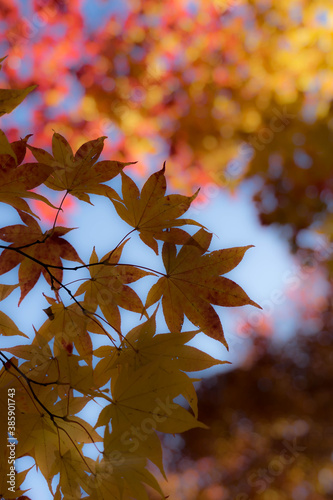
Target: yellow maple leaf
x: 192, y: 283
x: 79, y: 173
x: 151, y: 212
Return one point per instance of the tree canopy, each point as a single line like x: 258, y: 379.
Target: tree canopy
x: 229, y: 90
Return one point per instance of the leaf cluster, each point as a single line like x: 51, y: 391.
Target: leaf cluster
x: 137, y: 380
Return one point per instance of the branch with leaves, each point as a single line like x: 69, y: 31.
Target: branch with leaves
x: 133, y: 378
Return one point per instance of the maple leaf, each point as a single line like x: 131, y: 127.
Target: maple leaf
x: 33, y: 428
x: 72, y: 473
x: 135, y: 398
x: 41, y: 434
x: 71, y: 324
x: 193, y: 282
x: 124, y: 470
x: 19, y: 479
x: 17, y: 180
x: 10, y: 98
x: 5, y: 290
x: 41, y: 364
x: 108, y: 288
x: 40, y: 440
x: 142, y: 345
x: 39, y: 247
x: 146, y: 375
x: 7, y: 380
x: 79, y: 174
x: 152, y: 213
x: 77, y: 376
x: 8, y: 327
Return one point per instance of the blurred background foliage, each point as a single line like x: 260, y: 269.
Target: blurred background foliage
x: 227, y: 91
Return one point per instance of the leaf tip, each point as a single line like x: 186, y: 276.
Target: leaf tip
x: 255, y: 305
x: 193, y: 197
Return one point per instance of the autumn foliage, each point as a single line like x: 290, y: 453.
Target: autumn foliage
x: 232, y: 93
x: 138, y: 379
x: 232, y: 89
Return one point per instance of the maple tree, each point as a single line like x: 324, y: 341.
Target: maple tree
x: 139, y: 380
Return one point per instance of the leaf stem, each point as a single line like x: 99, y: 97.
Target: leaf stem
x: 58, y: 211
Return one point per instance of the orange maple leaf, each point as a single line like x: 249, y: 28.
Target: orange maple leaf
x: 79, y: 174
x: 193, y: 282
x: 35, y: 251
x: 152, y: 213
x: 108, y: 288
x: 17, y: 180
